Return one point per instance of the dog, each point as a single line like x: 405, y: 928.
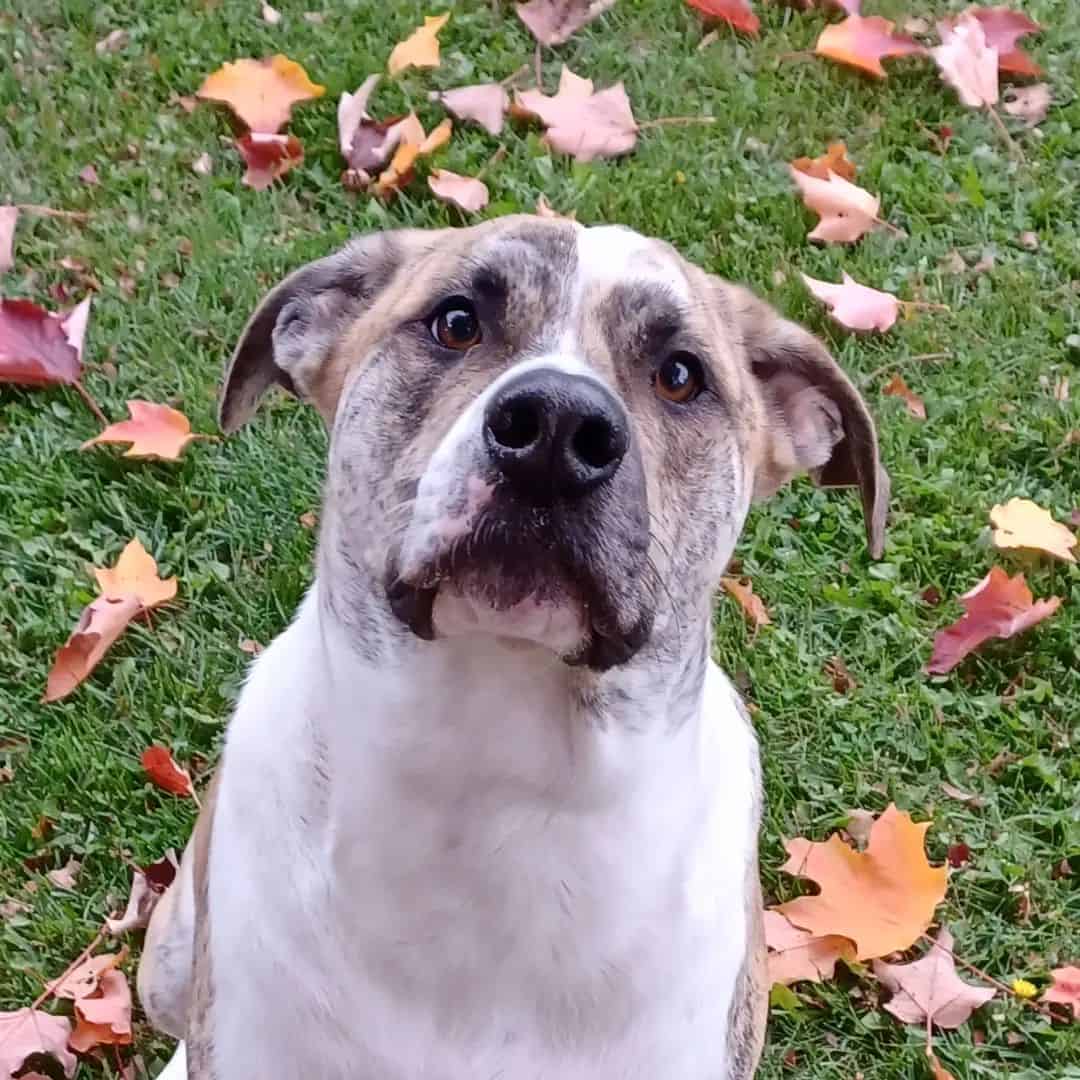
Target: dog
x: 487, y: 808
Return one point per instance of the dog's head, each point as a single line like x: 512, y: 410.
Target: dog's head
x: 544, y: 431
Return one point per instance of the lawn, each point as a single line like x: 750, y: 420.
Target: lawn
x: 181, y: 260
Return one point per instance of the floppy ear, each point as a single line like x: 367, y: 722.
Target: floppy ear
x: 818, y: 421
x: 289, y: 338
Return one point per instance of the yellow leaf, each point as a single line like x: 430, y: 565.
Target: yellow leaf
x: 261, y: 92
x: 135, y: 574
x: 420, y: 48
x: 1020, y: 523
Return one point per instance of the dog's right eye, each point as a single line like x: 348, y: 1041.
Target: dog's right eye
x: 456, y: 325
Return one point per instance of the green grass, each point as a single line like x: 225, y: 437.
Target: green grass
x: 225, y: 519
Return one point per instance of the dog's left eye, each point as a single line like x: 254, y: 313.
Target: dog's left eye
x: 456, y: 325
x: 679, y: 378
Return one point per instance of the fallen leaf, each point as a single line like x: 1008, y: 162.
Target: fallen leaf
x: 553, y: 22
x: 937, y: 1070
x: 261, y: 92
x: 1003, y: 28
x: 154, y: 431
x: 113, y: 41
x: 465, y: 192
x: 352, y: 112
x: 858, y: 307
x: 270, y: 15
x: 847, y: 211
x: 85, y: 979
x: 65, y: 876
x: 9, y: 909
x: 26, y: 1032
x: 883, y: 899
x: 998, y: 607
x: 485, y: 103
x: 929, y: 990
x: 961, y: 796
x: 958, y: 855
x: 135, y: 574
x: 842, y: 680
x: 414, y: 144
x: 915, y: 24
x: 1029, y: 103
x: 798, y: 956
x: 161, y: 768
x: 88, y: 175
x: 896, y: 387
x: 38, y: 347
x: 268, y: 157
x: 859, y: 825
x: 581, y: 122
x: 1029, y: 240
x: 105, y: 1018
x: 834, y: 160
x: 1065, y: 989
x: 736, y: 13
x: 863, y: 42
x: 1020, y: 523
x: 309, y: 519
x: 438, y: 137
x: 9, y: 215
x: 420, y: 48
x: 752, y: 605
x: 967, y: 63
x: 140, y: 906
x: 544, y: 209
x: 203, y: 165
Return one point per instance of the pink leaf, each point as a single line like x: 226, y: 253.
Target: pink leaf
x: 858, y: 307
x: 464, y: 192
x: 485, y: 103
x: 967, y: 62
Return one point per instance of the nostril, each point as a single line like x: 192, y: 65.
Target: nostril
x: 597, y: 443
x: 516, y: 425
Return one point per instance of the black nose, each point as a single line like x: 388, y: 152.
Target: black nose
x: 554, y: 435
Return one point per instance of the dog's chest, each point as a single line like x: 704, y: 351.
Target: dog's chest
x: 491, y: 934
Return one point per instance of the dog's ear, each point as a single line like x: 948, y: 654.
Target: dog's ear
x: 818, y: 421
x: 292, y: 332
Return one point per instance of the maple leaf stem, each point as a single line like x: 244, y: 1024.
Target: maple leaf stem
x: 48, y: 211
x: 675, y: 121
x: 91, y: 404
x: 1014, y: 150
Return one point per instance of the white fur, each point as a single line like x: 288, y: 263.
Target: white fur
x: 611, y: 254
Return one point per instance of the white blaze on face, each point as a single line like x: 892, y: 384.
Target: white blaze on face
x: 610, y: 255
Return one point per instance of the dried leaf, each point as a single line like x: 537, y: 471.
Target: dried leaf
x: 736, y: 13
x: 89, y: 175
x: 1065, y: 989
x: 135, y: 574
x: 958, y: 855
x: 859, y: 826
x: 9, y: 215
x: 896, y: 387
x: 261, y: 92
x: 39, y: 348
x: 1020, y: 523
x: 961, y: 796
x: 65, y: 877
x: 160, y: 766
x: 967, y: 63
x: 863, y: 42
x: 937, y: 1070
x: 1003, y: 28
x: 85, y: 979
x: 113, y: 41
x: 752, y: 605
x: 553, y: 22
x: 929, y: 990
x: 485, y: 103
x: 581, y: 122
x: 24, y: 1033
x: 544, y: 209
x: 998, y: 607
x: 883, y: 899
x: 858, y: 307
x: 268, y: 157
x: 270, y: 15
x: 203, y: 165
x: 834, y: 160
x: 1029, y: 103
x: 798, y: 956
x: 154, y: 431
x: 352, y: 112
x: 842, y: 680
x: 420, y: 48
x: 465, y: 192
x: 847, y: 211
x: 105, y: 1018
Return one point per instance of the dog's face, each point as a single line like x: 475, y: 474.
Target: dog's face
x: 543, y: 431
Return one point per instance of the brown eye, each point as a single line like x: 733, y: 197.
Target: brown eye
x: 455, y: 325
x: 679, y: 378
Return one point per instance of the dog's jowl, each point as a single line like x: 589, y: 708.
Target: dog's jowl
x: 487, y: 808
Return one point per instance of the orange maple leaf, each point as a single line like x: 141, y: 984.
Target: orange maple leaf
x: 882, y: 898
x: 130, y: 587
x: 834, y: 160
x: 896, y: 387
x: 420, y: 48
x: 863, y: 41
x: 753, y: 606
x: 261, y: 92
x: 736, y: 13
x: 847, y: 211
x: 1020, y: 523
x: 153, y: 431
x: 161, y: 768
x: 103, y: 1019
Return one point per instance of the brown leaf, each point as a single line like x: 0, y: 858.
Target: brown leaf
x: 998, y: 607
x: 161, y: 768
x: 39, y: 348
x: 465, y: 192
x: 105, y: 1018
x: 1065, y: 989
x: 752, y: 605
x: 268, y: 157
x: 896, y: 387
x: 64, y: 878
x: 883, y: 899
x: 485, y: 104
x: 154, y: 431
x: 863, y: 42
x: 736, y: 13
x: 1028, y: 103
x: 842, y: 679
x: 798, y: 956
x: 961, y: 796
x: 24, y: 1033
x: 929, y: 990
x: 937, y: 1070
x: 309, y: 519
x: 420, y: 48
x: 834, y: 160
x: 553, y: 22
x: 544, y: 209
x: 9, y: 215
x: 958, y: 855
x: 261, y: 92
x: 581, y: 122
